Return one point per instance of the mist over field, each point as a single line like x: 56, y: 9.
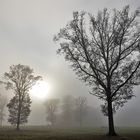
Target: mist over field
x: 27, y: 29
x: 26, y: 37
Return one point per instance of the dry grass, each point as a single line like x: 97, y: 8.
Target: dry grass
x: 43, y: 133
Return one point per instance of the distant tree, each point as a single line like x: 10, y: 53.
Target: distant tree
x: 67, y: 109
x: 20, y: 79
x: 3, y: 102
x: 104, y: 54
x: 51, y: 110
x: 80, y: 109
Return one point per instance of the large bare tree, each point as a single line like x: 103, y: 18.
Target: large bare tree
x: 103, y: 51
x: 20, y: 80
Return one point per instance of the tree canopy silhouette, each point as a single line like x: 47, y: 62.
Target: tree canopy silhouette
x: 20, y: 79
x: 13, y: 108
x: 104, y: 53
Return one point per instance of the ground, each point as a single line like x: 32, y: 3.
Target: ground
x: 44, y: 133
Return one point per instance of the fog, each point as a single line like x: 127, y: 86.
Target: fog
x: 27, y: 28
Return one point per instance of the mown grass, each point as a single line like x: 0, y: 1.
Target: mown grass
x: 44, y: 133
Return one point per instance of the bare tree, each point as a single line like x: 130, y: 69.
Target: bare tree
x: 67, y: 109
x: 51, y: 109
x: 104, y: 54
x: 80, y: 109
x: 20, y: 79
x: 3, y: 102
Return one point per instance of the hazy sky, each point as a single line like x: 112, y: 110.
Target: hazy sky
x: 27, y: 28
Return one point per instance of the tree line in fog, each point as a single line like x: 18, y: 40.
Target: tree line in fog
x: 68, y: 111
x: 104, y: 52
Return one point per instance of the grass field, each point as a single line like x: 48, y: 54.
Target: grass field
x: 43, y: 133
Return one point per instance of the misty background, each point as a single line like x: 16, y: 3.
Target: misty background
x: 27, y: 28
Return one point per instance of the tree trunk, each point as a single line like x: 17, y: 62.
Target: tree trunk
x: 1, y: 117
x: 17, y: 128
x: 18, y: 117
x: 18, y: 120
x: 110, y: 119
x: 1, y: 122
x: 80, y: 120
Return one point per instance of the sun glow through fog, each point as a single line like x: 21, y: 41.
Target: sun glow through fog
x: 41, y: 90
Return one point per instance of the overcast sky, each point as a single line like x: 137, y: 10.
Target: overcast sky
x: 27, y: 28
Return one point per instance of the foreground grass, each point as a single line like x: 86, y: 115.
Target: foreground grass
x: 43, y: 133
